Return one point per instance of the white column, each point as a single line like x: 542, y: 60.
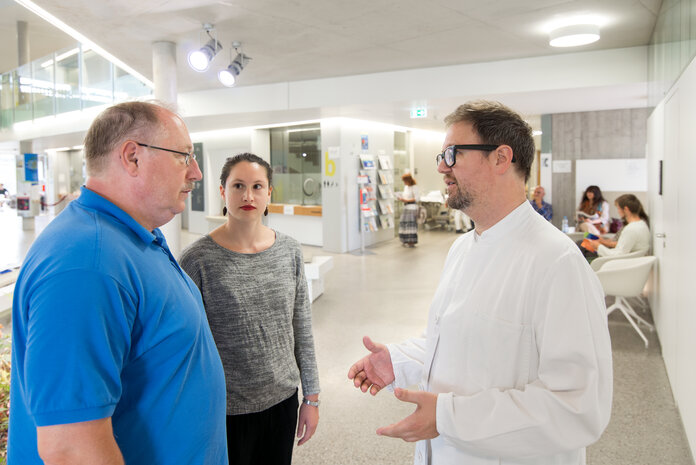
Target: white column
x: 164, y: 78
x: 22, y: 43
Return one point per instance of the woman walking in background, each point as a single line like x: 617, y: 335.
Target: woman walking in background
x: 255, y: 295
x: 408, y: 224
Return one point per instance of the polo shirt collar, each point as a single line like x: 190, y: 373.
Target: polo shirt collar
x: 94, y: 201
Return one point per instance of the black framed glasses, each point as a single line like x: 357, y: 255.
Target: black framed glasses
x: 450, y: 153
x: 187, y: 156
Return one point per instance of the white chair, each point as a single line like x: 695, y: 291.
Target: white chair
x: 597, y: 263
x: 624, y: 278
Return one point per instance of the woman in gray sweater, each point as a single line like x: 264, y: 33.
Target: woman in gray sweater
x: 255, y: 295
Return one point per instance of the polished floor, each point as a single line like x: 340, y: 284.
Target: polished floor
x: 385, y: 293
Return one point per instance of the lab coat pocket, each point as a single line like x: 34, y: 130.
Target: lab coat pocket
x: 497, y: 352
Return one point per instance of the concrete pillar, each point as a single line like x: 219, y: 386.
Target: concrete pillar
x: 164, y: 79
x: 22, y: 43
x: 23, y: 55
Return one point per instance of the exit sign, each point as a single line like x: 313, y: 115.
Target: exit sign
x: 419, y: 112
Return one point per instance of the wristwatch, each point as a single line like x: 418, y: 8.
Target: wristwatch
x: 310, y: 402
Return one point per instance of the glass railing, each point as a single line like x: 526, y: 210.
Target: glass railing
x: 67, y: 80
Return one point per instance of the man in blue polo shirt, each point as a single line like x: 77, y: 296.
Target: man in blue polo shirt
x: 113, y: 361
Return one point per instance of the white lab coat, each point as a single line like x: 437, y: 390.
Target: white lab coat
x: 518, y: 348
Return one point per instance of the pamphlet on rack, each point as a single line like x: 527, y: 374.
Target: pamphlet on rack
x: 367, y: 161
x: 385, y: 191
x: 386, y: 221
x: 384, y: 162
x: 385, y: 207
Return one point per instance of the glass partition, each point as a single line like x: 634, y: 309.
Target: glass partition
x: 22, y: 81
x: 42, y: 88
x: 68, y: 80
x: 97, y: 83
x: 127, y: 86
x: 67, y: 70
x: 672, y: 46
x: 296, y: 162
x: 6, y: 100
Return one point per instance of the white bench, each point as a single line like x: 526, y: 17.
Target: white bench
x: 314, y: 272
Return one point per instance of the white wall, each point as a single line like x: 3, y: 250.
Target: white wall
x: 340, y: 203
x: 217, y: 147
x: 670, y: 133
x: 425, y: 146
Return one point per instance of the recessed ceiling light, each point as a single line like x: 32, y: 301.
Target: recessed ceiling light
x: 574, y: 35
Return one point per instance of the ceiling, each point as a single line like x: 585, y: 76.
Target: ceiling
x: 293, y: 40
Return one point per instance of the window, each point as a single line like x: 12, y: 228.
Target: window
x: 296, y: 162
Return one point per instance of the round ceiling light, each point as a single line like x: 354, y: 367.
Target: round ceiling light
x: 574, y: 35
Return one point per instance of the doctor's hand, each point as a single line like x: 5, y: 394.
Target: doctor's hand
x: 421, y: 424
x: 373, y: 371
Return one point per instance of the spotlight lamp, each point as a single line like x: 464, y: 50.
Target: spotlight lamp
x: 200, y: 59
x: 228, y: 76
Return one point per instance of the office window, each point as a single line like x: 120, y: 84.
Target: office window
x: 296, y: 162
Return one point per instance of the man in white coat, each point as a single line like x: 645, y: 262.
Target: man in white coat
x: 515, y: 366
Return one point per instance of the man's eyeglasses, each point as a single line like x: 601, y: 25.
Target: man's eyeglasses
x: 450, y: 153
x: 187, y: 156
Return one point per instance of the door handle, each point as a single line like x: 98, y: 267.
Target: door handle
x: 660, y: 235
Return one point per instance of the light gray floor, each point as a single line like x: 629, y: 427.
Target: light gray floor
x: 385, y: 294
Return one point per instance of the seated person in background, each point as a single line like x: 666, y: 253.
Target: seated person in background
x: 634, y: 236
x: 593, y: 212
x: 541, y: 207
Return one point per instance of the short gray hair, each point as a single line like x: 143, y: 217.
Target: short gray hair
x: 116, y: 124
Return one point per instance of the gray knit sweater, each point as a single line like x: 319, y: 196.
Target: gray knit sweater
x: 260, y: 316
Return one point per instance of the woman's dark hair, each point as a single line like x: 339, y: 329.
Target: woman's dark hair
x: 590, y: 206
x: 250, y: 158
x: 634, y: 206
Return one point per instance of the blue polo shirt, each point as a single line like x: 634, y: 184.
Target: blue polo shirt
x: 106, y: 324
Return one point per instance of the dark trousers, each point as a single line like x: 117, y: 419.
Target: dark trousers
x: 265, y: 437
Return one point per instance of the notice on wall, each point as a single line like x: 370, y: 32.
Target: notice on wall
x: 562, y: 166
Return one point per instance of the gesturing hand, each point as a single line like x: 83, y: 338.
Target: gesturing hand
x: 421, y: 424
x: 373, y: 371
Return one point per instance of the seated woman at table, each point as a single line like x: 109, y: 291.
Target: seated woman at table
x: 634, y: 236
x: 593, y: 212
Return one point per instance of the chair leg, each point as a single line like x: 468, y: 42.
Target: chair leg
x: 633, y: 313
x: 622, y: 305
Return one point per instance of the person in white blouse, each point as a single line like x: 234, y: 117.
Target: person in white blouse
x: 634, y: 236
x: 515, y: 366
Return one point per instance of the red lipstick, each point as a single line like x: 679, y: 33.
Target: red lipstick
x: 248, y: 207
